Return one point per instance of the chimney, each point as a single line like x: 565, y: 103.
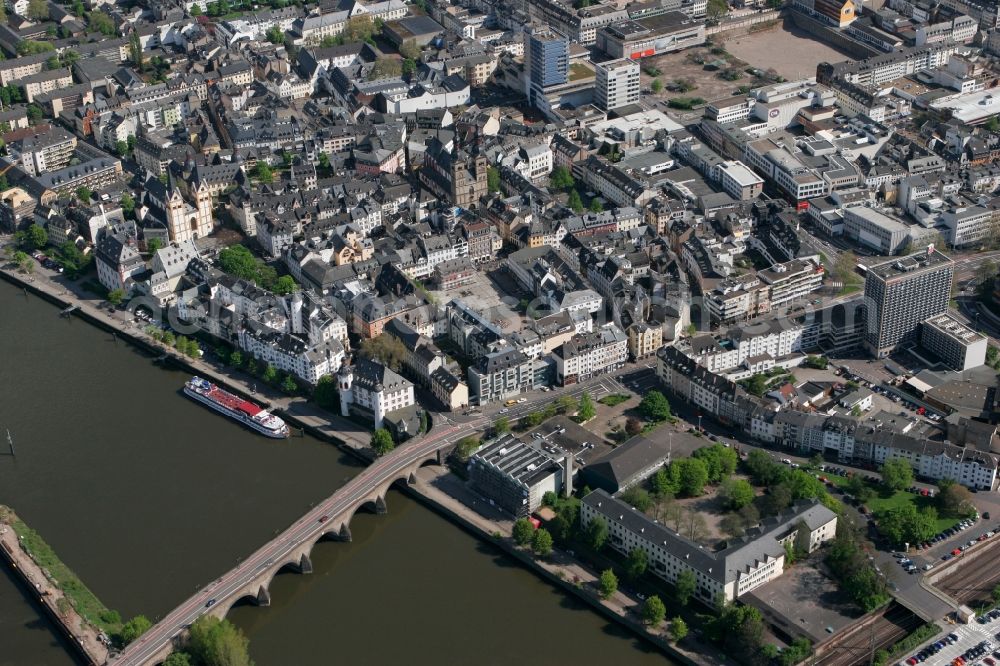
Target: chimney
x: 568, y: 476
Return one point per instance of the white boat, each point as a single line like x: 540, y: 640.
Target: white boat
x: 236, y: 408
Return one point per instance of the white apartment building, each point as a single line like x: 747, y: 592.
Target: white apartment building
x: 584, y: 356
x: 617, y: 83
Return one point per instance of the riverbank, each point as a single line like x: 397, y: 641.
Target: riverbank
x: 620, y: 608
x: 437, y: 489
x: 64, y: 597
x: 298, y: 411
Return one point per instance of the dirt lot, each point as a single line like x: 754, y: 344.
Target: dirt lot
x: 787, y: 50
x: 794, y: 53
x: 704, y: 76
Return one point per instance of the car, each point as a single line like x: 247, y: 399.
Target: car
x: 504, y: 410
x: 522, y: 400
x: 211, y: 602
x: 323, y: 519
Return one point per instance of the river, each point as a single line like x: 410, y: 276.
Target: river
x: 147, y: 495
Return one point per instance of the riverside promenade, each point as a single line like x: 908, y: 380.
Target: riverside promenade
x: 84, y: 636
x: 430, y: 485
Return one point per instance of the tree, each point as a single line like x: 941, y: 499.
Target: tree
x: 121, y: 147
x: 721, y: 461
x: 756, y: 384
x: 636, y: 565
x: 134, y: 628
x: 501, y: 425
x: 596, y: 533
x: 638, y: 498
x: 177, y: 659
x: 31, y: 47
x: 596, y: 206
x: 655, y: 406
x: 904, y: 523
x: 694, y: 525
x: 135, y: 51
x: 797, y: 652
x: 236, y: 358
x: 262, y: 172
x: 663, y: 485
x: 196, y: 10
x: 859, y: 489
x: 995, y: 595
x: 324, y: 161
x: 685, y: 586
x: 386, y: 349
x: 608, y: 583
x: 128, y: 208
x: 566, y: 404
x: 633, y: 426
x: 35, y: 113
x: 897, y: 474
x: 53, y: 63
x: 38, y: 10
x: 586, y: 410
x: 270, y: 374
x: 561, y: 178
x: 575, y: 202
x: 717, y: 9
x: 275, y: 35
x: 732, y: 524
x: 492, y: 179
x: 678, y: 629
x: 285, y: 285
x: 382, y: 442
x: 466, y: 447
x: 385, y: 68
x: 116, y: 296
x: 691, y: 475
x: 84, y: 194
x: 954, y: 500
x: 215, y: 641
x: 763, y: 469
x: 410, y: 51
x: 100, y: 22
x: 653, y: 611
x: 656, y: 86
x: 777, y: 499
x: 736, y: 493
x: 541, y: 542
x: 408, y: 67
x: 326, y: 394
x: 34, y: 237
x: 522, y: 531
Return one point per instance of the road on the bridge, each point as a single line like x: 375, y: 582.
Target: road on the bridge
x: 305, y: 528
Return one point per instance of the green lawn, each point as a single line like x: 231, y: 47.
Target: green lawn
x: 614, y: 399
x: 579, y: 71
x: 900, y: 498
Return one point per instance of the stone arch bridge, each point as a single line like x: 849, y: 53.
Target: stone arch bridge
x: 330, y: 519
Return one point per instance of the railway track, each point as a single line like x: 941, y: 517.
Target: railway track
x: 973, y: 580
x: 857, y: 646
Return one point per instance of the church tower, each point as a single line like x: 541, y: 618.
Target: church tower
x: 344, y: 380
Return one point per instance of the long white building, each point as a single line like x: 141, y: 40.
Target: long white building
x: 745, y: 565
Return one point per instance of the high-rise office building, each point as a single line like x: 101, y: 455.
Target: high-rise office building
x: 617, y: 84
x: 902, y: 293
x: 548, y: 61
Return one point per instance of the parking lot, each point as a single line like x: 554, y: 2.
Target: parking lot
x: 972, y: 644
